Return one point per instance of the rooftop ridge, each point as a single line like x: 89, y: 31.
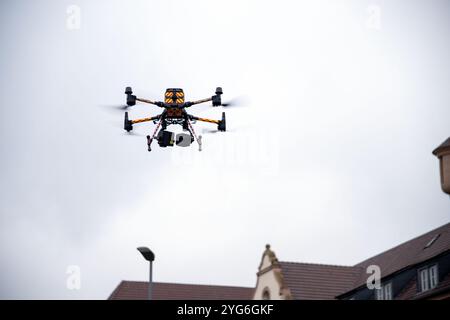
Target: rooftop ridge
x: 442, y: 227
x: 187, y: 284
x: 319, y: 264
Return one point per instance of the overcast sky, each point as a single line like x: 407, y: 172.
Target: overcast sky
x: 329, y: 160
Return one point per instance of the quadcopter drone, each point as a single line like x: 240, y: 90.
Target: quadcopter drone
x: 174, y: 114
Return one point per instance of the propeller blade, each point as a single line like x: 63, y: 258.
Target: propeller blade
x: 240, y: 101
x: 214, y: 131
x: 119, y: 126
x: 133, y: 134
x: 116, y: 107
x: 209, y: 131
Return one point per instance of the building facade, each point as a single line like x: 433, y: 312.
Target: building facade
x: 416, y: 269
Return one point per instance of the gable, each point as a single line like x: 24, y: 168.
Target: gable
x: 270, y: 283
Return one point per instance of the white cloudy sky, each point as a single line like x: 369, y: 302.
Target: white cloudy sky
x: 330, y: 161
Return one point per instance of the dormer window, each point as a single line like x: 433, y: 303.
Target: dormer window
x: 385, y: 292
x: 428, y: 278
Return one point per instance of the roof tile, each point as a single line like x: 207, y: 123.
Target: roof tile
x: 408, y: 253
x: 318, y: 281
x: 136, y: 290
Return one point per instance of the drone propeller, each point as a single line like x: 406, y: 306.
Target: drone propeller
x: 122, y: 107
x: 209, y: 131
x: 214, y: 131
x: 119, y: 125
x: 116, y: 107
x: 235, y: 102
x: 133, y: 133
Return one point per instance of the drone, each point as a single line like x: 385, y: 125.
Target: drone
x: 174, y: 113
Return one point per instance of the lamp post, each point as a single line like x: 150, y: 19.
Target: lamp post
x: 149, y: 256
x: 443, y: 153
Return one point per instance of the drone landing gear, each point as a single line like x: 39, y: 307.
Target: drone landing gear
x: 199, y: 138
x: 150, y: 138
x: 149, y: 143
x: 199, y: 141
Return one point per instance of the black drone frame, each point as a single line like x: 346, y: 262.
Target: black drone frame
x: 174, y: 114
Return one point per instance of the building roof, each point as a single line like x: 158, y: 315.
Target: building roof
x: 317, y: 281
x: 445, y: 146
x: 312, y: 281
x: 410, y: 290
x: 408, y: 253
x: 137, y: 290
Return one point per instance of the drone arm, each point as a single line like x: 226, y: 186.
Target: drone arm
x: 131, y: 99
x: 144, y: 120
x: 205, y: 120
x: 216, y: 99
x: 156, y: 103
x: 191, y: 103
x: 221, y: 124
x: 128, y: 124
x: 202, y: 101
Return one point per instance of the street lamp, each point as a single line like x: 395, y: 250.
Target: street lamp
x: 149, y: 256
x: 443, y: 153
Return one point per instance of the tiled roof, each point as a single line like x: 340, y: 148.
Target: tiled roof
x: 136, y: 290
x: 312, y: 281
x: 318, y: 281
x: 408, y: 253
